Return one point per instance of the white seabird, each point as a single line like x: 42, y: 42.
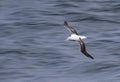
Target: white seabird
x: 75, y: 37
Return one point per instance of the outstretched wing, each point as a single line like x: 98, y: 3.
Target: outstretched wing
x: 70, y: 28
x: 83, y: 49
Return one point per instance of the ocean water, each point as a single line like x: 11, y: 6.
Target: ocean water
x: 33, y: 46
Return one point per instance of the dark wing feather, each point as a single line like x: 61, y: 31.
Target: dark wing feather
x: 70, y: 28
x: 83, y: 49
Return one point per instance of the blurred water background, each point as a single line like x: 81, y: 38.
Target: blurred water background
x: 33, y: 47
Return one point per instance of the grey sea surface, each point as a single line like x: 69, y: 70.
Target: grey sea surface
x: 33, y: 46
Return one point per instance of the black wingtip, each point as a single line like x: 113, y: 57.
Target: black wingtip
x: 88, y: 55
x: 65, y: 23
x: 91, y: 57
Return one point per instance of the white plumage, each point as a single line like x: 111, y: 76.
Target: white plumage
x: 75, y: 37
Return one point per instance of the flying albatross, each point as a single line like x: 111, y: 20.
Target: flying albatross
x: 75, y: 37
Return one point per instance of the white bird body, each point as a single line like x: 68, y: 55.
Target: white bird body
x: 75, y: 37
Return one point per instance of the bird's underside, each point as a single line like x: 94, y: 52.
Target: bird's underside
x: 82, y: 44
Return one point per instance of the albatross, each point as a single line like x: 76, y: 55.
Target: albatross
x: 75, y: 37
